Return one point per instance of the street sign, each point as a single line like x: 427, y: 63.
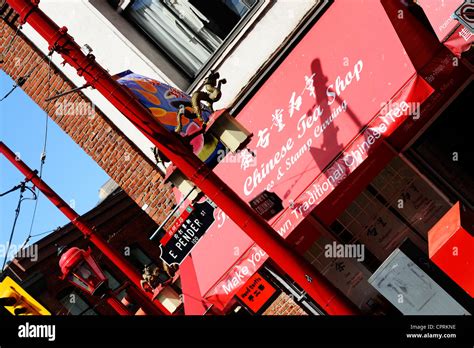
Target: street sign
x: 465, y: 15
x: 188, y: 230
x: 267, y: 204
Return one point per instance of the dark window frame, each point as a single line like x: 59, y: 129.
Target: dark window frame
x: 67, y: 293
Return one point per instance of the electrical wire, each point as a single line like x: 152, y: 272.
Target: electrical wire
x: 23, y: 187
x: 45, y: 232
x: 10, y: 190
x: 21, y: 81
x: 43, y: 157
x: 36, y: 235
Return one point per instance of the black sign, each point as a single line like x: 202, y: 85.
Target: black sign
x: 188, y: 234
x: 267, y: 204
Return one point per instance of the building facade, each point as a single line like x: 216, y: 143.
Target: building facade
x: 351, y: 119
x: 117, y: 219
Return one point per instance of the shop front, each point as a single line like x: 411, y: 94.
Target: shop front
x: 332, y: 127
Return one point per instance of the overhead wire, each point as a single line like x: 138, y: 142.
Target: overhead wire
x: 22, y: 187
x: 43, y: 156
x: 14, y: 188
x: 19, y: 83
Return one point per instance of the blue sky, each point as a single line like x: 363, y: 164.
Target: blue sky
x: 68, y: 169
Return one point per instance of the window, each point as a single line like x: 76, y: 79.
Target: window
x: 190, y: 32
x: 114, y: 284
x: 139, y: 258
x: 445, y: 154
x: 76, y: 305
x: 397, y: 204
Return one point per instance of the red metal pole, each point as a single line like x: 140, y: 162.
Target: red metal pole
x: 117, y: 305
x: 316, y: 285
x: 116, y: 258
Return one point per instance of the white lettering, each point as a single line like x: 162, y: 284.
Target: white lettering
x: 37, y: 331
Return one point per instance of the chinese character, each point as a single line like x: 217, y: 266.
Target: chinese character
x: 277, y: 119
x: 246, y: 160
x: 406, y: 196
x: 372, y: 231
x: 294, y: 104
x: 340, y: 266
x: 263, y: 138
x: 251, y: 298
x: 309, y: 80
x: 381, y: 221
x: 261, y: 287
x: 465, y: 34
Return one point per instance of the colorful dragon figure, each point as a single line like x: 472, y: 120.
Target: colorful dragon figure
x: 168, y: 105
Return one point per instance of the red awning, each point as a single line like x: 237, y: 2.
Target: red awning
x: 194, y: 304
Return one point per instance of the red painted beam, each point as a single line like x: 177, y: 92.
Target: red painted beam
x: 118, y: 306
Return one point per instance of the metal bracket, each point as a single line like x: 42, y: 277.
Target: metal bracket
x: 60, y: 34
x: 59, y: 95
x: 31, y: 8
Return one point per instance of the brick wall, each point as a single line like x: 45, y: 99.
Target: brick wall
x: 86, y: 125
x: 284, y: 305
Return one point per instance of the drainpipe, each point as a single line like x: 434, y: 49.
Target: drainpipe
x: 298, y: 268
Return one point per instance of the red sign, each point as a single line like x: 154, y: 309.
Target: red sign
x: 451, y: 247
x: 256, y: 292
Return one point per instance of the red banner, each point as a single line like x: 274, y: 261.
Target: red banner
x: 320, y: 115
x: 406, y: 103
x: 256, y: 292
